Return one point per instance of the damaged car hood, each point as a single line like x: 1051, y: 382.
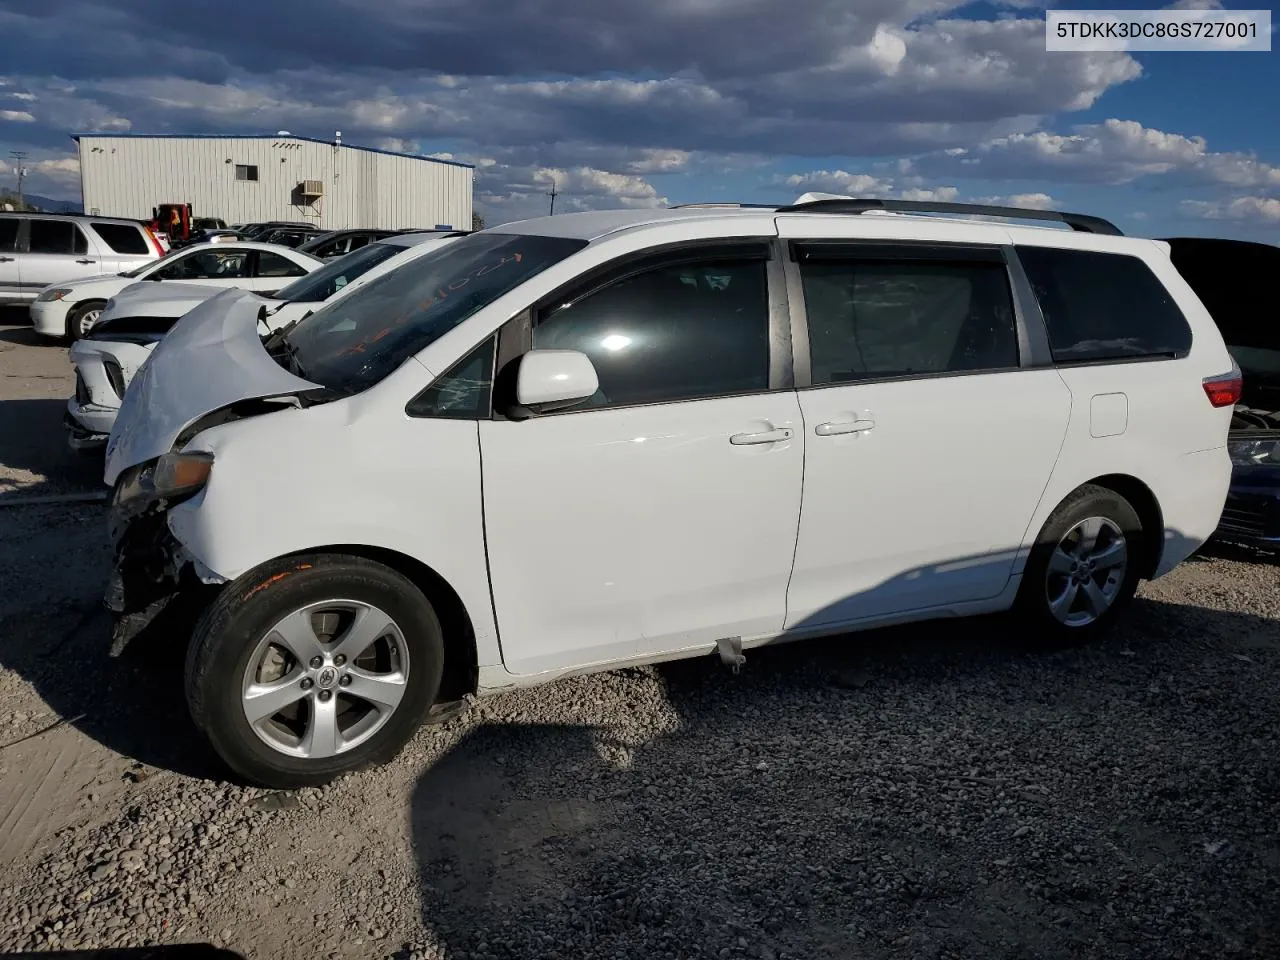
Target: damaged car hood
x: 212, y: 358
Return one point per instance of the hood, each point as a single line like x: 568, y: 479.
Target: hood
x: 211, y: 359
x: 146, y: 299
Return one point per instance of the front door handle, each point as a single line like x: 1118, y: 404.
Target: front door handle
x: 836, y: 427
x: 768, y: 436
x: 84, y: 260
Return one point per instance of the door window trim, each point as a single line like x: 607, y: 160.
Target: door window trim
x: 516, y: 335
x: 1030, y: 333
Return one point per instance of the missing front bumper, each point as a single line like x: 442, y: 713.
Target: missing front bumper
x: 149, y: 569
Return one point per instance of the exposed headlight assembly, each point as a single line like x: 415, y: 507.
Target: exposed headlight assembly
x: 173, y: 478
x: 51, y: 294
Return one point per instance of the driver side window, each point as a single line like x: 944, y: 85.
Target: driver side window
x: 207, y: 265
x: 677, y: 332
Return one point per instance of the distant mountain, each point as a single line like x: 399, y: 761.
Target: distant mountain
x: 49, y: 205
x: 45, y: 204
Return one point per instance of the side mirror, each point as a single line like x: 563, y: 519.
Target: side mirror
x: 551, y: 379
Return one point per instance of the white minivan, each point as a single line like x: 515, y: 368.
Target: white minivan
x: 601, y: 439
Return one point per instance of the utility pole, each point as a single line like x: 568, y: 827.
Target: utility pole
x: 552, y: 195
x: 20, y: 156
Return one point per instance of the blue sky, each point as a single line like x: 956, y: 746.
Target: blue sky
x: 648, y: 102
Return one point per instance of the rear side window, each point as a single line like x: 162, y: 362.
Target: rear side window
x: 324, y: 283
x: 8, y: 234
x: 1103, y: 306
x: 273, y: 265
x: 56, y: 236
x: 677, y: 332
x: 121, y: 237
x: 880, y: 318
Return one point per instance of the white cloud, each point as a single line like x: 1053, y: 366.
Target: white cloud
x: 506, y: 191
x: 1264, y: 210
x: 17, y: 116
x: 1195, y: 5
x: 1112, y: 152
x: 1026, y: 201
x: 838, y: 181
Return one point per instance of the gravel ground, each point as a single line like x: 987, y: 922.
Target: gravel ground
x: 933, y: 791
x: 35, y: 381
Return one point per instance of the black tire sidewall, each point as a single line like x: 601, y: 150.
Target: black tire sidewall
x: 73, y: 318
x: 249, y: 607
x: 1088, y: 501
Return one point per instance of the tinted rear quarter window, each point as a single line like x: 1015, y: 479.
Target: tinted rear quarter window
x: 1103, y: 306
x: 121, y: 237
x: 8, y: 233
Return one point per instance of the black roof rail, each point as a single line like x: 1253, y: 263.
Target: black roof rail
x: 1076, y: 221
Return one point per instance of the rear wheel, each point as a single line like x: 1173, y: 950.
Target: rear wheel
x: 310, y: 667
x: 1084, y: 567
x: 82, y: 317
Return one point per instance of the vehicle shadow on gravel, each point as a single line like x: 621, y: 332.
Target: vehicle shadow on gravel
x: 924, y: 791
x: 132, y: 704
x: 34, y: 455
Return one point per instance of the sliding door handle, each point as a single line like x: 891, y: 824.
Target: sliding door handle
x: 836, y: 427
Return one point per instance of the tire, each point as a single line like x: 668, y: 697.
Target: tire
x: 1087, y: 509
x: 231, y: 637
x: 87, y: 311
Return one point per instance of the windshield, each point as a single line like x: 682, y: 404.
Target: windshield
x: 356, y: 341
x: 324, y: 283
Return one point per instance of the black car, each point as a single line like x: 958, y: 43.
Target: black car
x: 1236, y: 281
x: 256, y: 231
x: 341, y: 242
x: 289, y: 236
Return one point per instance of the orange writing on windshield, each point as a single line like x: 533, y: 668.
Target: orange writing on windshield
x: 422, y: 306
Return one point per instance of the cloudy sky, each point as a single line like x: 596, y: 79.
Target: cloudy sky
x: 646, y: 103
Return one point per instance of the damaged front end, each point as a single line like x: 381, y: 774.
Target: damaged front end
x: 149, y: 566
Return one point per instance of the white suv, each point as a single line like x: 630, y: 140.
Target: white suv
x: 601, y: 439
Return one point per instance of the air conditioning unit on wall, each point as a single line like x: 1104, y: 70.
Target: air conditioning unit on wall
x: 311, y: 188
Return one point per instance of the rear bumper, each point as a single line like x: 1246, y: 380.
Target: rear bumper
x: 1252, y: 512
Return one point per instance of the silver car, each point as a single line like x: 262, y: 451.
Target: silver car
x: 39, y: 249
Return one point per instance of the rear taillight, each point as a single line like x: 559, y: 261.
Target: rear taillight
x: 1224, y: 390
x: 154, y: 242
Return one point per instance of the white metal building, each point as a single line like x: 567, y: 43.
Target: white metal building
x: 244, y: 179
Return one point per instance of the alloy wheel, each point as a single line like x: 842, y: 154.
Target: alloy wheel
x: 1086, y: 571
x: 325, y: 678
x: 87, y: 319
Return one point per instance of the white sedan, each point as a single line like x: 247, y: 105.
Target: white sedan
x: 133, y: 322
x: 69, y: 309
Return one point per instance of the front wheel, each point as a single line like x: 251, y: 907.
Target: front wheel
x: 82, y: 318
x: 1084, y: 567
x: 311, y: 667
